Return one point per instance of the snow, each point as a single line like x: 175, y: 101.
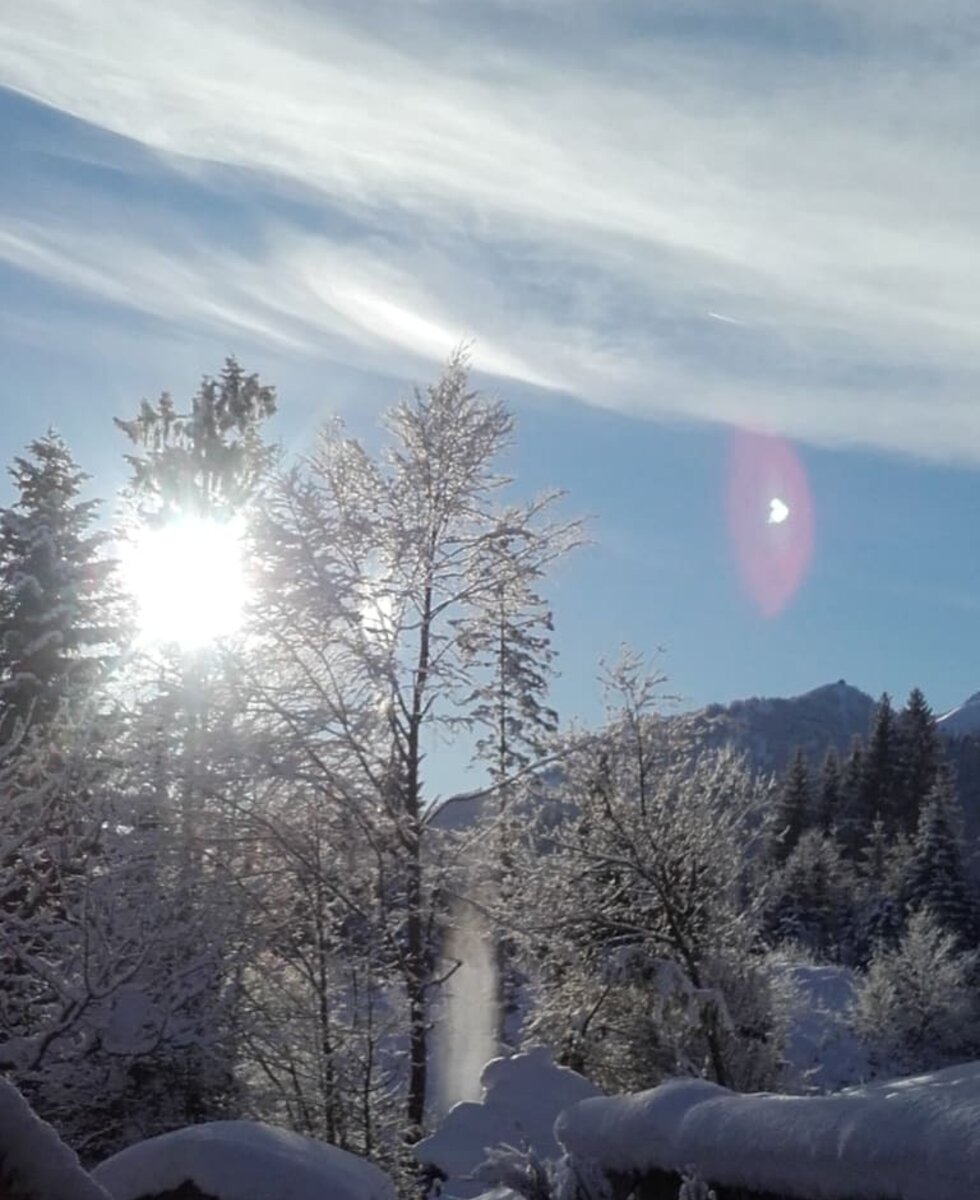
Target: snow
x: 908, y: 1139
x: 822, y: 1052
x: 522, y: 1097
x: 964, y: 719
x: 242, y: 1160
x: 34, y: 1162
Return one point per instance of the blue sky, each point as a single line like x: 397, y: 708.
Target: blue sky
x: 658, y: 222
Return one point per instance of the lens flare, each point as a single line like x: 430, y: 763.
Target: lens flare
x: 770, y: 518
x: 778, y: 511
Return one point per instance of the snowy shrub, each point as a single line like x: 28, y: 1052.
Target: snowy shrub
x: 916, y: 1007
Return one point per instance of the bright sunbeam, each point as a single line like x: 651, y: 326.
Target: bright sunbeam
x: 188, y: 581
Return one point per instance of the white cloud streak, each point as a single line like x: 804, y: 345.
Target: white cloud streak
x: 690, y: 225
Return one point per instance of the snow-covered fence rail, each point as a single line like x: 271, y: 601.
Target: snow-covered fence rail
x: 907, y: 1139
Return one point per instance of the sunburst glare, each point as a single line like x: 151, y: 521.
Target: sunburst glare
x: 188, y: 581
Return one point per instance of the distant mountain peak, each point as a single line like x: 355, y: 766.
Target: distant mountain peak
x: 769, y: 729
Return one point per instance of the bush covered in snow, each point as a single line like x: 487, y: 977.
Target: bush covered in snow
x: 916, y: 1008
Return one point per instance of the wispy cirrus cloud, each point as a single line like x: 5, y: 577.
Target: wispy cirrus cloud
x: 699, y: 211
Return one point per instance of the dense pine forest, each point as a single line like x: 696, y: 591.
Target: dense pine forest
x: 225, y: 890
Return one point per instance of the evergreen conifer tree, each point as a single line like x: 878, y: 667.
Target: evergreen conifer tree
x: 56, y: 613
x: 919, y: 756
x: 879, y: 777
x: 205, y: 462
x: 508, y: 642
x: 813, y: 898
x: 879, y: 915
x: 831, y: 789
x: 854, y: 823
x: 792, y: 810
x: 934, y: 876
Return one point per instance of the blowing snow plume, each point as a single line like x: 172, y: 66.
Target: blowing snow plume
x: 466, y: 1039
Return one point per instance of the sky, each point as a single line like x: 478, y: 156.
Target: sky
x: 707, y: 250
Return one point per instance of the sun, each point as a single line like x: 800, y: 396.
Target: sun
x: 188, y: 581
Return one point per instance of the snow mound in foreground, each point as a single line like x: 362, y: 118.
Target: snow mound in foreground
x: 908, y: 1139
x: 34, y: 1162
x: 242, y: 1160
x: 522, y: 1097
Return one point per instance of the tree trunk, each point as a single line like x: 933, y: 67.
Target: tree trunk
x: 416, y: 966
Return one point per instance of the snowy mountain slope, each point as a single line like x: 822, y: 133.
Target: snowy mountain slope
x: 769, y: 730
x: 962, y: 720
x: 908, y: 1139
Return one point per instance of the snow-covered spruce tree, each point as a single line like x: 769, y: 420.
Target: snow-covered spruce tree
x: 507, y: 647
x: 829, y: 793
x: 376, y: 572
x: 934, y: 876
x: 58, y: 622
x: 61, y: 629
x: 203, y: 463
x: 916, y: 1009
x: 812, y: 899
x: 208, y: 461
x: 919, y: 759
x: 878, y: 907
x: 791, y: 813
x: 879, y: 793
x: 634, y: 917
x: 854, y: 821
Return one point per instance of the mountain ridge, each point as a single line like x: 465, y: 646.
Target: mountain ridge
x: 769, y: 729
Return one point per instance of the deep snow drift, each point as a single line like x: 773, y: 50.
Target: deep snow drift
x: 242, y: 1160
x: 908, y: 1139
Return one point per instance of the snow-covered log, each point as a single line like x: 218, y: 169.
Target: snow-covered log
x: 907, y: 1139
